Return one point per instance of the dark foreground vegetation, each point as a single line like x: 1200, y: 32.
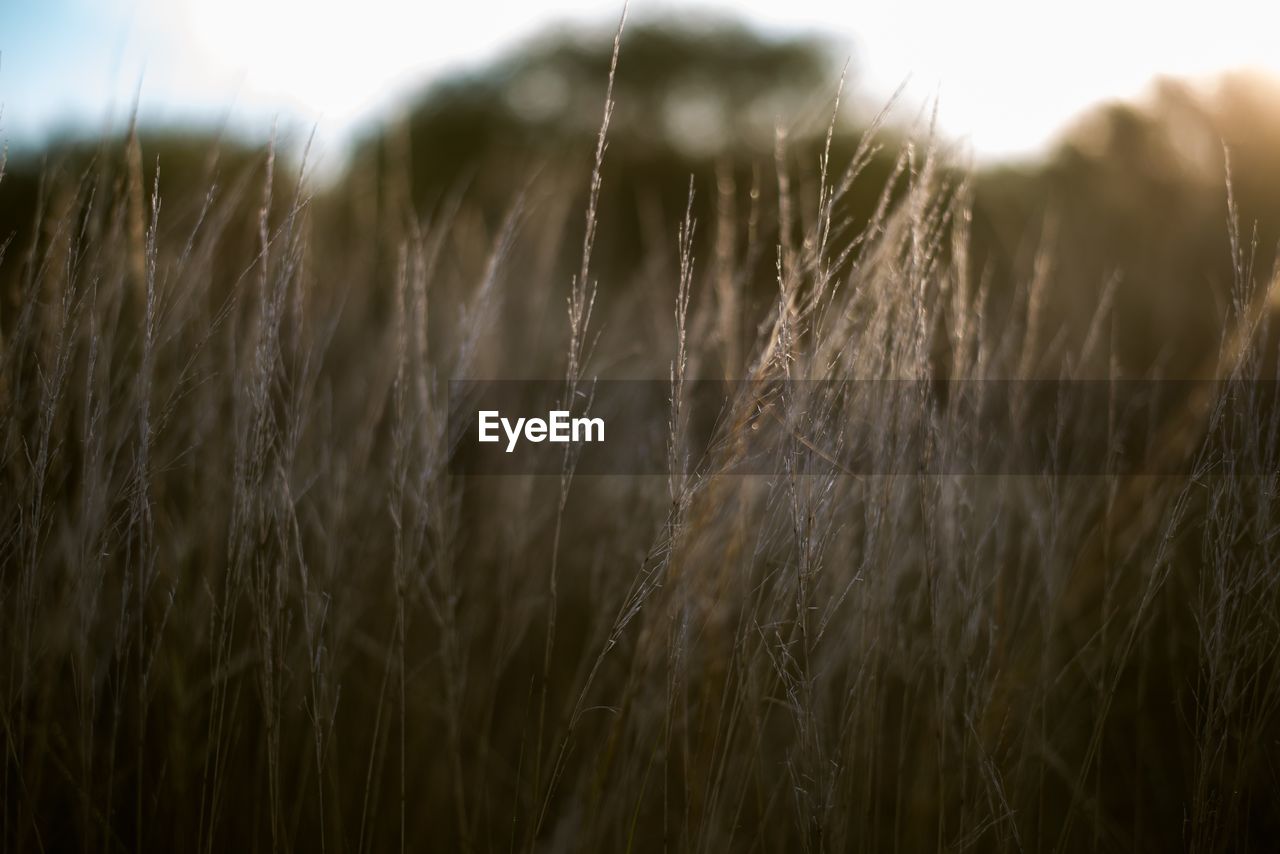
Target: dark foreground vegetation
x: 244, y: 605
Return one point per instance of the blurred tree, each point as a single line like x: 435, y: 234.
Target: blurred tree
x: 696, y: 99
x: 1138, y: 191
x: 683, y: 95
x: 198, y: 176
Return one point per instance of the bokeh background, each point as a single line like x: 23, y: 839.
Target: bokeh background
x: 1099, y: 126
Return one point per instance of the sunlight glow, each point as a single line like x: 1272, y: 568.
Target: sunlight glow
x: 1008, y: 75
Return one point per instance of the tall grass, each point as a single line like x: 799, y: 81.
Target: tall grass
x: 245, y: 605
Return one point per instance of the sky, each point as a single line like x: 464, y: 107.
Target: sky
x: 1008, y: 75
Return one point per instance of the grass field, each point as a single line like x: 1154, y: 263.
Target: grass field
x: 245, y: 605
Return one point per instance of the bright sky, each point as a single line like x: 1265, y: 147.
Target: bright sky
x: 1009, y: 74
